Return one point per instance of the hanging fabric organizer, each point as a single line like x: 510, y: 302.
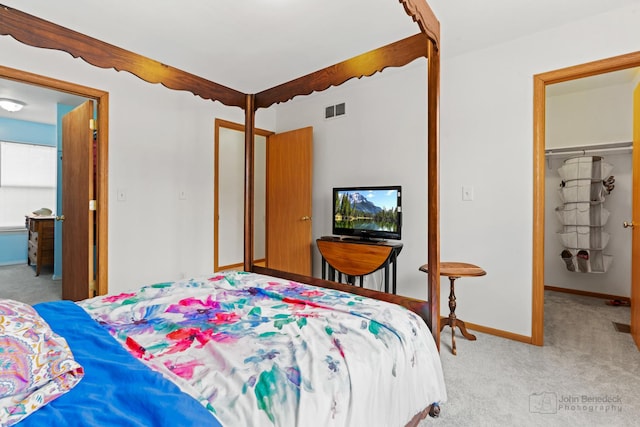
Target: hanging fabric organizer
x: 585, y: 184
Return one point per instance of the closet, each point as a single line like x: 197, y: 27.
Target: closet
x: 589, y: 124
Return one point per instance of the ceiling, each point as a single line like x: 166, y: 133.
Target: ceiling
x: 253, y: 45
x: 474, y: 24
x: 41, y: 103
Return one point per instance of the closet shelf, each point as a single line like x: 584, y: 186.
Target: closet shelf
x: 583, y: 248
x: 594, y: 241
x: 593, y: 180
x: 583, y: 150
x: 591, y: 202
x: 596, y: 263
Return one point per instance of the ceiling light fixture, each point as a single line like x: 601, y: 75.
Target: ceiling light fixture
x: 11, y: 105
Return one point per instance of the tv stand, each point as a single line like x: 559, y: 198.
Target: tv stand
x: 355, y: 258
x: 356, y: 239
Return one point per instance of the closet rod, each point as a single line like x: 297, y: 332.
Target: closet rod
x: 584, y: 152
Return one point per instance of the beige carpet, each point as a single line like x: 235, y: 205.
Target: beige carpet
x: 586, y: 374
x: 20, y: 283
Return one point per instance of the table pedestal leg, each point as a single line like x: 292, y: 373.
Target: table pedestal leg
x: 452, y: 321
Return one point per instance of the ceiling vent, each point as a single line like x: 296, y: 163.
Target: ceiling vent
x: 334, y: 111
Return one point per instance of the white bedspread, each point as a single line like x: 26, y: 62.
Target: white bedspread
x: 262, y: 351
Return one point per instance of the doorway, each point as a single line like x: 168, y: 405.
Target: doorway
x: 282, y: 198
x: 228, y: 198
x: 101, y: 184
x: 541, y: 81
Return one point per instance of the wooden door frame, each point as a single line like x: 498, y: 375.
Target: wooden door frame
x: 102, y: 194
x: 540, y: 81
x: 216, y: 175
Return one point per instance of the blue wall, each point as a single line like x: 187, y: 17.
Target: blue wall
x: 29, y: 132
x: 13, y: 247
x: 13, y: 244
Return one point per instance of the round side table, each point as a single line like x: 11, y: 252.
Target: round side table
x: 455, y: 270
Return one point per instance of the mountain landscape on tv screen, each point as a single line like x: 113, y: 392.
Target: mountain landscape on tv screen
x: 360, y: 203
x: 355, y: 212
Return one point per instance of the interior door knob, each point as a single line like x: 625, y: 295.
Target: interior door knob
x: 60, y: 218
x: 628, y: 224
x: 306, y: 218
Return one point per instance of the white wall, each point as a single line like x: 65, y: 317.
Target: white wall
x: 486, y: 134
x: 596, y: 116
x: 382, y: 140
x: 160, y: 142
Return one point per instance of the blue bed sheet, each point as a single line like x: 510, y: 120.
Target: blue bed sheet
x: 117, y: 389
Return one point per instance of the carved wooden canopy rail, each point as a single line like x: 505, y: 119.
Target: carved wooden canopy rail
x: 37, y: 32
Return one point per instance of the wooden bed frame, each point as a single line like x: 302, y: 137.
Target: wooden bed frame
x: 37, y: 32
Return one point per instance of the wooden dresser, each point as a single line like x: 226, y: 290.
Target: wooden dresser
x: 41, y: 230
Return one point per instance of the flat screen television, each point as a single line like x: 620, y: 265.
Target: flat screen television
x: 368, y: 212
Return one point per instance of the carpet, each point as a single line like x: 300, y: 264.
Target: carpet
x: 19, y: 282
x: 585, y: 375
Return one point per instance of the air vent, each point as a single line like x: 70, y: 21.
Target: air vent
x: 333, y: 111
x: 330, y: 112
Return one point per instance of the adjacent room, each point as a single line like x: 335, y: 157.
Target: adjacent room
x: 197, y: 154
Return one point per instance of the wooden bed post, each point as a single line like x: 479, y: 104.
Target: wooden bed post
x: 249, y: 133
x: 433, y: 187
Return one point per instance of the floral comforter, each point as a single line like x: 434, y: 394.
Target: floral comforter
x: 262, y: 351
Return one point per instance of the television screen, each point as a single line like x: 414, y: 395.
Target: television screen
x: 368, y: 212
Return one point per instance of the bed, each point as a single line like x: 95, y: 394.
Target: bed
x: 422, y: 315
x: 36, y: 32
x: 232, y: 349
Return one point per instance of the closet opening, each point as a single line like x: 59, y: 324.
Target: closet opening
x: 583, y: 184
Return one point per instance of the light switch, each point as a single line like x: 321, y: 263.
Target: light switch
x: 467, y: 193
x: 182, y: 195
x: 122, y: 195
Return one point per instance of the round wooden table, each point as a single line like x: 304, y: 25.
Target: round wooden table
x: 455, y: 270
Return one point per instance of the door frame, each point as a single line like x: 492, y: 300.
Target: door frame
x: 540, y: 81
x: 102, y: 157
x: 220, y: 123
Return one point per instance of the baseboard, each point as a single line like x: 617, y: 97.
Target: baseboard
x: 586, y: 293
x: 239, y: 266
x: 527, y: 340
x: 499, y: 333
x: 15, y: 262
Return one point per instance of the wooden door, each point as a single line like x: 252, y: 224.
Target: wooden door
x: 77, y: 192
x: 635, y: 220
x: 289, y: 189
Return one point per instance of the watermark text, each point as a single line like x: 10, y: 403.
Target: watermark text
x: 552, y: 403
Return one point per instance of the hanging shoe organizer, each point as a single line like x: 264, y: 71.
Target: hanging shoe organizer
x: 585, y: 184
